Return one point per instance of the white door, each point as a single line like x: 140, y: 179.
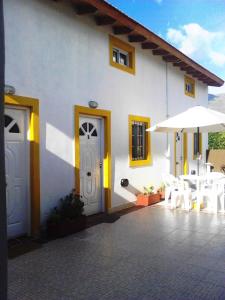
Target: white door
x: 17, y: 174
x: 179, y: 154
x: 90, y: 133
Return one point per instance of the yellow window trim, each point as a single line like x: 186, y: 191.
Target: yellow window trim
x: 200, y: 145
x: 106, y: 115
x: 117, y: 43
x: 34, y: 138
x: 185, y: 154
x: 148, y: 160
x: 189, y: 80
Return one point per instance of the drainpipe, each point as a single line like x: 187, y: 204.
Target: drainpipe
x: 167, y: 100
x: 3, y: 218
x: 168, y: 154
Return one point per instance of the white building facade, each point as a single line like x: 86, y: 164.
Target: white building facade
x: 58, y: 60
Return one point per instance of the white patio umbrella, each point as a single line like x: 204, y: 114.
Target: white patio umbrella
x: 195, y: 119
x: 207, y: 120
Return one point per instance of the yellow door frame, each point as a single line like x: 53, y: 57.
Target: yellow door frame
x: 106, y: 115
x: 185, y: 153
x: 34, y: 139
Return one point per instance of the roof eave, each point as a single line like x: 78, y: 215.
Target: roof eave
x: 106, y: 14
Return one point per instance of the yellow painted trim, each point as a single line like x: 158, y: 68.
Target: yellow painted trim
x: 106, y: 115
x: 190, y: 80
x: 200, y: 145
x: 34, y: 138
x: 148, y: 160
x: 185, y: 153
x: 117, y: 43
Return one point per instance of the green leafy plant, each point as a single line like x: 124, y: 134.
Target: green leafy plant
x: 54, y: 216
x: 149, y: 190
x: 70, y: 208
x: 216, y: 140
x: 161, y: 188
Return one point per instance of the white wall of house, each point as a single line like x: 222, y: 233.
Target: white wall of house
x: 179, y: 102
x: 63, y: 60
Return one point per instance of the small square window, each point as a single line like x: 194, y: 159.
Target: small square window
x: 189, y: 86
x: 122, y: 55
x: 139, y: 141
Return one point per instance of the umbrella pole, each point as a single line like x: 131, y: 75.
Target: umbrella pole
x: 198, y: 150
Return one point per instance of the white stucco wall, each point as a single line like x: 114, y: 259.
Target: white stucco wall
x: 178, y: 102
x: 63, y: 60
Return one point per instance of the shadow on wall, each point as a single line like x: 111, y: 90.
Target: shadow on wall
x: 133, y: 190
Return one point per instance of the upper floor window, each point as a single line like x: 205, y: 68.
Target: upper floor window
x: 189, y: 86
x: 122, y: 55
x: 139, y: 141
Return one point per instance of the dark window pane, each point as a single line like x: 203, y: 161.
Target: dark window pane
x: 85, y: 126
x: 90, y: 127
x: 190, y: 88
x: 8, y: 120
x: 134, y: 141
x: 144, y: 156
x: 115, y: 55
x: 138, y: 141
x: 94, y: 133
x: 195, y: 143
x: 81, y: 132
x: 14, y: 129
x: 123, y: 59
x: 134, y: 153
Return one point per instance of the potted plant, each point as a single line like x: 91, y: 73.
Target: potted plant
x: 68, y: 217
x: 161, y: 191
x: 148, y: 197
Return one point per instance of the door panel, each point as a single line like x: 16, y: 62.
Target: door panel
x: 17, y: 177
x: 179, y: 154
x: 90, y: 158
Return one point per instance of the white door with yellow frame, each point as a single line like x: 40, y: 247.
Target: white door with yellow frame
x: 180, y: 155
x: 17, y: 171
x: 91, y: 163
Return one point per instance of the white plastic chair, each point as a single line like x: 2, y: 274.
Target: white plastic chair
x: 186, y: 195
x: 177, y: 191
x: 213, y: 191
x: 171, y: 185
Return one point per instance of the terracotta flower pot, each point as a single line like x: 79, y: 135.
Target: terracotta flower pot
x: 162, y: 195
x: 146, y: 200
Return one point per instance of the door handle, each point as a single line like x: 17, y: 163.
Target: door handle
x: 88, y: 173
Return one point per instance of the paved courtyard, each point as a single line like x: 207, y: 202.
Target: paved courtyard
x: 151, y: 253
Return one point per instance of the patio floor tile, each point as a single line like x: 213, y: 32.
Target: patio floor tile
x: 151, y: 253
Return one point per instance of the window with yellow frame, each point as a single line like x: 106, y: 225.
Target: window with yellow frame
x: 139, y: 141
x: 189, y: 86
x: 122, y: 55
x: 195, y: 145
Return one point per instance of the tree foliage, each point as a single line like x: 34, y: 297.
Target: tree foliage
x: 216, y: 140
